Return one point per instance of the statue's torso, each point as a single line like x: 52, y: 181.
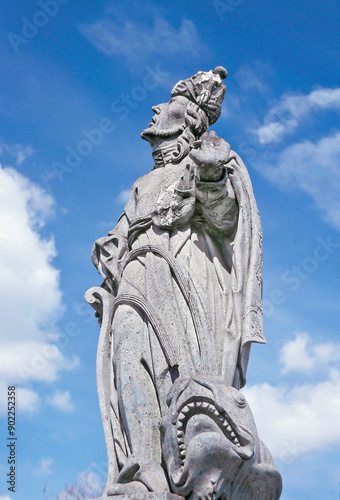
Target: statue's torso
x: 148, y: 188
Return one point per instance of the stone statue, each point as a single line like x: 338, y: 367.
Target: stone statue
x: 179, y: 308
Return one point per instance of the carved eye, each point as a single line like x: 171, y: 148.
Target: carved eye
x: 240, y: 400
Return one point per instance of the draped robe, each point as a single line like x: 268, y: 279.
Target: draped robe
x: 184, y: 264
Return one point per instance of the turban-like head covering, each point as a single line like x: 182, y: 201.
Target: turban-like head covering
x: 206, y: 89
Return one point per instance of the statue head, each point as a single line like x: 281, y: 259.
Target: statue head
x: 194, y: 105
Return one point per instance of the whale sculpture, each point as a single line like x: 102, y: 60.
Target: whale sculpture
x: 211, y: 446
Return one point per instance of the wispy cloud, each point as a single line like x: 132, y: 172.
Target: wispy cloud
x: 285, y: 117
x: 123, y: 196
x: 253, y: 77
x: 62, y: 401
x: 45, y: 467
x: 20, y: 152
x: 313, y: 168
x: 136, y: 42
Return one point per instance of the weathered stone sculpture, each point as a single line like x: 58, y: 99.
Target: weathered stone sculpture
x: 179, y: 308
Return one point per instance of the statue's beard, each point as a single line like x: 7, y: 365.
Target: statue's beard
x: 154, y: 132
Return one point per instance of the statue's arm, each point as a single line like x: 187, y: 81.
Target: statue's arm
x: 217, y: 203
x: 215, y: 196
x: 109, y: 251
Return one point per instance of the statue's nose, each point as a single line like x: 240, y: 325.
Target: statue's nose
x: 157, y: 109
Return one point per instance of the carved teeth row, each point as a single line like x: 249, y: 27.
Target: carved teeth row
x: 181, y: 417
x: 199, y: 404
x: 180, y: 437
x: 234, y: 439
x: 211, y: 409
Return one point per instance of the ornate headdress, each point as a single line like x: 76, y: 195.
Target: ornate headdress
x: 205, y: 89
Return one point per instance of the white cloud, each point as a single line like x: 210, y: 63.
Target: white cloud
x: 6, y: 497
x: 24, y: 361
x: 313, y: 168
x: 136, y: 42
x: 18, y: 151
x: 31, y: 299
x: 286, y: 116
x: 123, y: 196
x: 28, y: 400
x: 302, y: 355
x: 293, y: 420
x: 62, y: 401
x: 45, y: 467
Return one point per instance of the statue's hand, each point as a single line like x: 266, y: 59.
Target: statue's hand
x: 210, y: 155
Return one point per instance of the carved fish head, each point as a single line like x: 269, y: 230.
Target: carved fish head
x: 208, y: 436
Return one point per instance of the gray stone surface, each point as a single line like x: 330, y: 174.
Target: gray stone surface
x: 144, y: 496
x: 179, y: 308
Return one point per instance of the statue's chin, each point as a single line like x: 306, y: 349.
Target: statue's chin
x: 153, y: 133
x: 147, y: 134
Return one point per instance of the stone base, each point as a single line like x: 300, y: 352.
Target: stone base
x: 142, y: 496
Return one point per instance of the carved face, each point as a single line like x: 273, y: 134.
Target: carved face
x: 168, y: 120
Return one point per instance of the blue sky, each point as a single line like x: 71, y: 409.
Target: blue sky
x: 102, y: 65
